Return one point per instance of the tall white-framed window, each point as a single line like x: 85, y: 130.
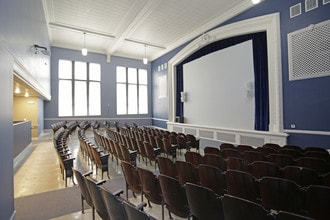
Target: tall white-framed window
x: 132, y: 90
x: 79, y: 88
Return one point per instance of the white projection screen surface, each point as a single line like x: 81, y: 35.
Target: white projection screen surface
x: 220, y: 88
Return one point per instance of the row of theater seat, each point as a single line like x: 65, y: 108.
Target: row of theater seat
x: 186, y: 199
x: 108, y: 205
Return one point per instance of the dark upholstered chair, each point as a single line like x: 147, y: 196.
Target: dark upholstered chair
x: 292, y: 147
x: 212, y: 178
x: 225, y: 153
x: 291, y: 152
x: 170, y: 150
x: 236, y: 163
x: 135, y: 213
x: 281, y: 160
x: 83, y: 190
x: 151, y: 188
x: 274, y: 146
x: 215, y: 160
x: 317, y: 201
x: 281, y: 194
x: 301, y: 175
x: 151, y: 152
x: 187, y: 172
x: 98, y: 203
x: 132, y: 179
x: 174, y: 196
x: 242, y: 148
x: 260, y: 169
x: 192, y: 142
x: 236, y: 208
x: 203, y: 202
x: 113, y: 203
x: 227, y: 146
x: 243, y: 185
x: 251, y: 156
x: 167, y: 167
x: 265, y: 150
x: 193, y: 157
x: 211, y: 150
x: 320, y: 165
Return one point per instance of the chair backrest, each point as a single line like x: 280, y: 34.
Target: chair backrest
x: 236, y: 163
x: 167, y: 167
x: 318, y: 154
x: 236, y: 208
x: 203, y: 202
x: 113, y: 204
x: 96, y: 198
x: 274, y: 146
x: 132, y: 178
x: 174, y: 195
x: 251, y: 156
x: 260, y: 169
x: 187, y: 172
x: 181, y: 142
x: 292, y: 147
x: 242, y: 184
x: 225, y: 153
x: 301, y: 175
x: 150, y: 186
x: 83, y: 187
x: 194, y: 157
x: 281, y: 160
x: 242, y: 148
x: 212, y: 178
x: 133, y: 213
x: 215, y: 160
x: 192, y: 141
x: 291, y: 152
x: 314, y: 148
x: 281, y: 194
x: 318, y: 201
x: 265, y: 150
x: 320, y: 165
x: 227, y: 146
x: 211, y: 150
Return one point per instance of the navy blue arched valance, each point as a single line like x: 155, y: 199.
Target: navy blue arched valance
x: 260, y: 74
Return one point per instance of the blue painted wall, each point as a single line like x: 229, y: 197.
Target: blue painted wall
x: 22, y: 24
x: 306, y: 103
x: 108, y: 88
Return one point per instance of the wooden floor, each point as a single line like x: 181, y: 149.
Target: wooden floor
x: 38, y: 171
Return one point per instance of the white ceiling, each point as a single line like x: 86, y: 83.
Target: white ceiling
x: 124, y: 27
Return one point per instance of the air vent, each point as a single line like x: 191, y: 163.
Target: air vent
x: 311, y: 4
x: 326, y: 2
x: 295, y: 10
x: 309, y: 52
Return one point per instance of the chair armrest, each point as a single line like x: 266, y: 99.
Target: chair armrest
x: 118, y: 192
x: 141, y: 206
x: 88, y: 173
x: 100, y: 182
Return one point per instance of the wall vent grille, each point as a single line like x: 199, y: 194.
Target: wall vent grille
x: 295, y: 10
x: 311, y: 4
x: 309, y: 52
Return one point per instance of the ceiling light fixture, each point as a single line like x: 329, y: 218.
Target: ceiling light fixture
x: 255, y: 1
x: 26, y: 93
x: 145, y: 59
x: 84, y: 49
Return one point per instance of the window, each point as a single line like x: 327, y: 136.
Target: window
x: 79, y: 88
x: 132, y: 91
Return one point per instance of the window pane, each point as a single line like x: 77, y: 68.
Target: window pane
x: 80, y: 98
x: 64, y: 69
x: 143, y: 99
x: 64, y: 98
x: 143, y: 77
x: 80, y: 70
x: 94, y: 98
x: 132, y: 99
x: 95, y: 71
x: 132, y: 76
x: 121, y: 99
x: 121, y: 74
